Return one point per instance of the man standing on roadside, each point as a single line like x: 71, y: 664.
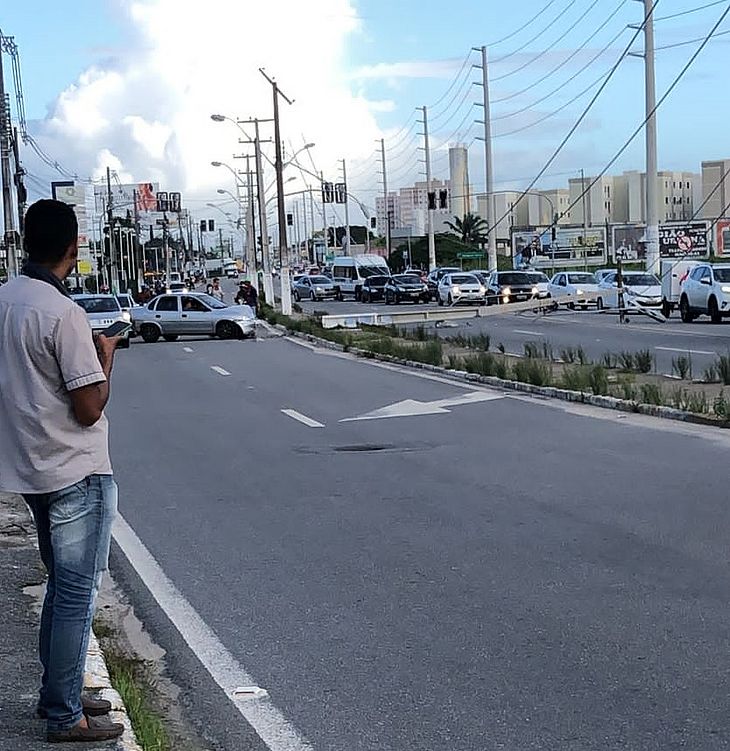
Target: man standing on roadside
x: 54, y: 385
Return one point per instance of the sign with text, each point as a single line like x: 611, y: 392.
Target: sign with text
x: 684, y: 240
x: 572, y: 246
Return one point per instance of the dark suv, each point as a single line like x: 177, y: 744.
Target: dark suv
x: 373, y: 288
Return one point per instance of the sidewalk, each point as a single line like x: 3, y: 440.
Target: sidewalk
x: 21, y: 579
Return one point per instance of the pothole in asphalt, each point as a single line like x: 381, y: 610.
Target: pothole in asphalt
x: 363, y: 448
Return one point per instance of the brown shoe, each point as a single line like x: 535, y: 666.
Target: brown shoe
x: 92, y: 707
x: 96, y: 732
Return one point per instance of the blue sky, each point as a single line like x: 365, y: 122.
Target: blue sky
x: 407, y: 53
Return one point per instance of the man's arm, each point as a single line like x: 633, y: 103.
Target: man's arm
x: 89, y: 401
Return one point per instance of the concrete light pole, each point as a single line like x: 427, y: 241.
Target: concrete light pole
x: 488, y: 161
x: 429, y: 223
x: 385, y: 198
x: 652, y: 197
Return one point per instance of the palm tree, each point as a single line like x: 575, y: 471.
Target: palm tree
x: 472, y: 229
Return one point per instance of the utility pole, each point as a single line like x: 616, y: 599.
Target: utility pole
x: 488, y: 162
x: 11, y: 252
x: 113, y: 260
x: 585, y: 216
x: 251, y: 229
x: 139, y: 247
x: 652, y: 199
x: 263, y: 228
x: 429, y: 224
x: 385, y: 198
x: 347, y: 209
x: 279, y: 165
x: 313, y: 255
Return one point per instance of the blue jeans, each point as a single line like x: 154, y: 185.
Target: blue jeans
x: 74, y: 534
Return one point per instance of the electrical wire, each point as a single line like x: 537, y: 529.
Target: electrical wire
x: 690, y: 41
x: 459, y: 129
x: 465, y: 87
x: 453, y: 83
x: 575, y: 52
x: 690, y: 10
x: 545, y: 28
x: 455, y: 111
x: 641, y: 126
x: 496, y: 118
x: 580, y: 119
x: 514, y: 33
x: 551, y: 47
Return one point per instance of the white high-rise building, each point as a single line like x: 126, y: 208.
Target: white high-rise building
x: 459, y: 180
x: 388, y: 211
x: 676, y: 194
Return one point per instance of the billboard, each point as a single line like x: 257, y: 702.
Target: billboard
x: 684, y: 240
x: 628, y: 241
x: 722, y: 237
x: 572, y: 246
x: 75, y: 194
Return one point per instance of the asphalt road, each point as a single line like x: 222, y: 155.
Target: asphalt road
x: 596, y: 332
x: 496, y: 572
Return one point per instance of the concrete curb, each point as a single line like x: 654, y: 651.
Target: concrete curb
x: 96, y: 678
x: 549, y: 392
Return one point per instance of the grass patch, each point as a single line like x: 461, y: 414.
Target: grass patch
x: 430, y: 352
x: 531, y: 370
x: 487, y: 364
x: 130, y: 678
x: 722, y: 366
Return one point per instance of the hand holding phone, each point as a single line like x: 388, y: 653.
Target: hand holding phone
x: 118, y: 328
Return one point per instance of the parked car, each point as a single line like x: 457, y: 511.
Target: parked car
x: 102, y: 311
x: 177, y: 288
x: 406, y: 287
x: 640, y: 289
x: 673, y: 274
x: 706, y: 291
x: 313, y: 288
x: 435, y: 276
x: 372, y: 288
x: 517, y: 286
x: 459, y: 288
x: 573, y: 285
x: 602, y: 273
x: 169, y: 316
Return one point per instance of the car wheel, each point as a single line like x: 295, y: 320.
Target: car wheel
x: 296, y: 296
x: 338, y: 295
x: 149, y: 332
x: 666, y: 308
x: 684, y: 310
x: 312, y: 296
x: 396, y: 299
x: 358, y: 294
x: 713, y: 311
x: 571, y: 305
x: 599, y: 303
x: 450, y: 299
x: 226, y: 330
x: 170, y: 337
x: 441, y: 302
x: 365, y: 296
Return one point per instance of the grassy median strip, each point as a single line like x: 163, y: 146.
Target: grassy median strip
x: 130, y: 678
x: 630, y: 376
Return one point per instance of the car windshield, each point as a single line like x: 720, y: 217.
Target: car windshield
x: 722, y: 275
x: 524, y: 278
x: 211, y: 302
x: 640, y: 280
x: 406, y: 279
x: 99, y: 304
x: 378, y: 280
x: 464, y: 279
x: 581, y: 279
x: 320, y: 280
x: 366, y: 271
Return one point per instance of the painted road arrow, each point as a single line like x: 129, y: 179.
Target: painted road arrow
x: 413, y: 408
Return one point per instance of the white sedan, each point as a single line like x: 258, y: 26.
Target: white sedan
x: 641, y: 290
x: 456, y: 288
x: 573, y: 285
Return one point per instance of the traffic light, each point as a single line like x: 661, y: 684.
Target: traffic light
x: 211, y: 225
x: 203, y: 225
x: 431, y: 200
x: 340, y: 193
x: 289, y: 220
x: 163, y: 201
x: 443, y: 199
x: 373, y: 222
x: 328, y: 193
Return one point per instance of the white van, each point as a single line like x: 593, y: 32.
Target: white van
x: 349, y: 272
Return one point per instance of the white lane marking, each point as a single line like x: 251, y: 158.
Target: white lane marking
x: 691, y: 351
x: 413, y: 408
x: 272, y: 727
x: 188, y: 349
x: 299, y: 417
x: 529, y: 333
x: 219, y: 370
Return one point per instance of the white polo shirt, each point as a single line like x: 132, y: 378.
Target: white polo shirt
x: 46, y: 351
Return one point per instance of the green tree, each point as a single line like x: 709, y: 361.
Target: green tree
x: 471, y: 229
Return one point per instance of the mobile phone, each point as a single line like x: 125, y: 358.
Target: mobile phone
x: 117, y: 328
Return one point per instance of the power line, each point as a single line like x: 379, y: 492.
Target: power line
x: 690, y: 41
x: 514, y: 33
x: 575, y: 52
x: 582, y: 117
x: 537, y: 36
x: 690, y: 10
x: 564, y: 83
x: 453, y: 83
x: 550, y: 48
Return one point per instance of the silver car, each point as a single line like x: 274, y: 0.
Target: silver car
x: 313, y: 288
x: 169, y: 316
x: 102, y: 311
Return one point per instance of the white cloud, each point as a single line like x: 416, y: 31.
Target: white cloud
x: 409, y: 69
x: 146, y: 113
